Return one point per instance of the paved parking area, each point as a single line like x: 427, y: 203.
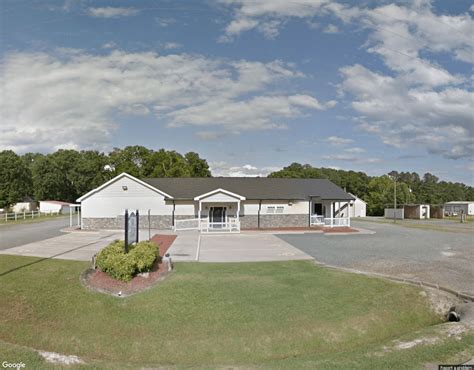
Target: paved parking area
x: 440, y: 257
x: 252, y: 247
x: 79, y: 246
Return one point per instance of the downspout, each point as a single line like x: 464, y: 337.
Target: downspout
x: 258, y: 217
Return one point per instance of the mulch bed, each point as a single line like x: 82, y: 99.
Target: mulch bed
x: 100, y: 281
x: 164, y: 242
x: 339, y: 230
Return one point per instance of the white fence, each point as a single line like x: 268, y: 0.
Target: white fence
x: 14, y: 216
x: 337, y: 222
x: 317, y: 220
x: 231, y: 224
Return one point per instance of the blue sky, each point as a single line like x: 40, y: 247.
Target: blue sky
x: 251, y: 86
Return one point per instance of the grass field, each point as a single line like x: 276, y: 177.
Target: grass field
x: 271, y: 315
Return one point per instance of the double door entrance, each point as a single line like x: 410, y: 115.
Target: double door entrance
x: 217, y: 217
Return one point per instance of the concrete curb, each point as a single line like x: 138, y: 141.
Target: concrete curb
x: 420, y: 283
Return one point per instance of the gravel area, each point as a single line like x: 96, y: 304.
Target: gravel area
x: 440, y: 257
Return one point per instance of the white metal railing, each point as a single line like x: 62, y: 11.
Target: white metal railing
x: 317, y: 220
x: 230, y: 224
x: 337, y: 222
x: 14, y: 216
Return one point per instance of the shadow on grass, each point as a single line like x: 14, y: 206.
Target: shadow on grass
x: 48, y: 258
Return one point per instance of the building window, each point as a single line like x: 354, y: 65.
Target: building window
x: 279, y: 209
x: 271, y: 209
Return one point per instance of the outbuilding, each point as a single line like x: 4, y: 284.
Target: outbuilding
x: 27, y: 204
x: 417, y: 211
x: 455, y: 208
x: 55, y: 206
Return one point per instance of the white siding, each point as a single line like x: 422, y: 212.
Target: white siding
x: 185, y: 208
x: 112, y: 200
x: 297, y: 207
x: 219, y: 197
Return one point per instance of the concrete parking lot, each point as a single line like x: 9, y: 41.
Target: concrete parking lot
x: 253, y: 247
x: 79, y: 246
x: 444, y: 258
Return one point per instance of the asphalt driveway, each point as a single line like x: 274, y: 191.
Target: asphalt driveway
x: 12, y: 235
x: 444, y: 258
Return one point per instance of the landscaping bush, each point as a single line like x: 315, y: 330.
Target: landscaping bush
x: 124, y: 266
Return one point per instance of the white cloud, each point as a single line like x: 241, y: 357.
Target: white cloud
x: 112, y: 12
x: 419, y: 102
x: 355, y: 150
x: 331, y: 28
x: 172, y: 45
x: 403, y: 114
x: 165, y: 22
x: 69, y: 97
x: 351, y: 158
x: 247, y: 170
x: 336, y: 140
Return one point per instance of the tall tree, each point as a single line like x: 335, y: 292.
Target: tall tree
x: 15, y: 179
x: 198, y: 167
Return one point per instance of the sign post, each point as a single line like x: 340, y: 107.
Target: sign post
x: 131, y: 228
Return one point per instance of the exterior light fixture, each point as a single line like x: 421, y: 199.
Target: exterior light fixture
x: 290, y: 203
x: 124, y: 187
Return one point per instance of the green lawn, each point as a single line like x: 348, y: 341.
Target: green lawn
x: 273, y: 315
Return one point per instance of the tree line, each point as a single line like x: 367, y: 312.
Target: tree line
x: 67, y: 174
x: 378, y: 191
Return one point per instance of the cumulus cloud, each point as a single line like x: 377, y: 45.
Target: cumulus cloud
x: 69, y: 97
x: 247, y: 170
x: 112, y: 12
x: 419, y: 101
x: 351, y: 158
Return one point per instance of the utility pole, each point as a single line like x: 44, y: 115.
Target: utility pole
x: 394, y: 199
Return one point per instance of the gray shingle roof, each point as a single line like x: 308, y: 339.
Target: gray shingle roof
x: 253, y: 188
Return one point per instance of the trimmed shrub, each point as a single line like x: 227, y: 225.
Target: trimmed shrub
x: 124, y: 266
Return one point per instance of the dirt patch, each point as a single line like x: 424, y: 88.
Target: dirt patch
x: 57, y: 358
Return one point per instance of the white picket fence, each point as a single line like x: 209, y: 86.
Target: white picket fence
x: 14, y: 216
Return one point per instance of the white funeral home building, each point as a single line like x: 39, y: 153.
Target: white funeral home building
x: 216, y: 203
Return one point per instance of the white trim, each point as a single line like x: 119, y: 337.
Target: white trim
x: 123, y: 174
x: 199, y: 197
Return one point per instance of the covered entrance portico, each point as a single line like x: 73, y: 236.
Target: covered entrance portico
x: 218, y: 211
x: 330, y: 212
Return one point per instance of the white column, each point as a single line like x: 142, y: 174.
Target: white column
x: 70, y: 216
x: 349, y: 214
x: 199, y: 215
